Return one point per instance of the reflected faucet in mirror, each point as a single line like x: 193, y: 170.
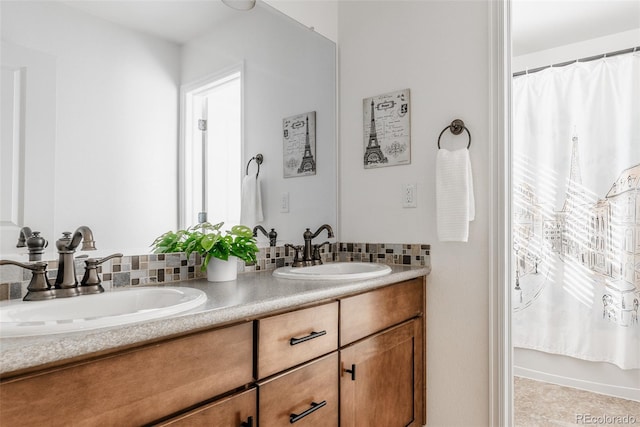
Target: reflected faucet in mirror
x: 66, y: 284
x: 25, y: 233
x: 272, y: 235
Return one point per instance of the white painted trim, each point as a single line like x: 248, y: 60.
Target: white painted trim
x: 187, y: 90
x: 500, y: 358
x: 336, y: 229
x: 591, y: 386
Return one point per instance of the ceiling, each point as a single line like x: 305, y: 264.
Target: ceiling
x: 536, y: 24
x: 545, y: 24
x: 177, y: 21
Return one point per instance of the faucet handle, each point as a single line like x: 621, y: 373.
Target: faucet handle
x: 39, y: 287
x: 296, y: 258
x: 316, y: 259
x: 90, y: 283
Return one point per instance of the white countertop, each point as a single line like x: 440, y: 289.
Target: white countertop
x: 252, y: 295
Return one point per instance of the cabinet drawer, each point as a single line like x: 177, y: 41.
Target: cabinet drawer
x: 305, y: 396
x: 238, y: 410
x: 292, y: 338
x: 368, y: 313
x: 133, y: 387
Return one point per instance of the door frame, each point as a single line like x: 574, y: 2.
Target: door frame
x: 500, y: 357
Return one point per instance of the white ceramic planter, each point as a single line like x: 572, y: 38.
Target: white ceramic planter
x: 222, y: 271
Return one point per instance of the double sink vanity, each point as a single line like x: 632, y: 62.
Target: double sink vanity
x: 343, y: 344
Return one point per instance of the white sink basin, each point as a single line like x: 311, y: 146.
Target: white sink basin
x: 28, y: 318
x: 334, y: 271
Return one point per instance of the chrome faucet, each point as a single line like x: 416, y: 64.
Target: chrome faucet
x: 311, y: 254
x: 272, y: 235
x: 66, y: 280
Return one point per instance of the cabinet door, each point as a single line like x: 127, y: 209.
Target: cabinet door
x: 238, y: 410
x: 380, y: 379
x: 306, y: 396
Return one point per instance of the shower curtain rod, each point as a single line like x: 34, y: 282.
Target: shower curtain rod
x: 587, y: 59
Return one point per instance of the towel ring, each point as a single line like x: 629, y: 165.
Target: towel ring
x: 456, y: 128
x: 258, y: 158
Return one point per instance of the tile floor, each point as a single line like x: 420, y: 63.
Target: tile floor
x: 540, y: 404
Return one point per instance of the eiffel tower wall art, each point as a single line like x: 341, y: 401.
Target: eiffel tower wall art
x: 299, y: 145
x: 387, y: 129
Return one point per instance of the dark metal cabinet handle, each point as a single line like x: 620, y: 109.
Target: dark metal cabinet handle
x: 248, y: 423
x: 312, y: 335
x: 352, y: 371
x: 314, y: 407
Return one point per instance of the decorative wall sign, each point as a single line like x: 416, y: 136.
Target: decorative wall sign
x: 299, y: 145
x: 387, y: 130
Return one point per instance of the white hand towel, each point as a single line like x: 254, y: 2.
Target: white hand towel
x: 251, y: 201
x: 455, y: 202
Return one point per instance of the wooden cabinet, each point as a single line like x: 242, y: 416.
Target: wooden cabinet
x: 364, y: 314
x: 133, y: 387
x: 305, y: 396
x: 357, y: 360
x: 292, y: 338
x: 238, y: 410
x: 380, y: 379
x: 382, y: 357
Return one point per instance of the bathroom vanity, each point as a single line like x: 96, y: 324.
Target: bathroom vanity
x: 262, y: 351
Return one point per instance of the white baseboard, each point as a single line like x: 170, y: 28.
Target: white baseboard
x: 595, y: 387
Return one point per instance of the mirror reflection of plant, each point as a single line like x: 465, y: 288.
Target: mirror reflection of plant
x: 207, y: 240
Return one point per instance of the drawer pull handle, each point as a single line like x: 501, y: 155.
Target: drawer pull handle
x: 248, y: 423
x: 312, y: 335
x: 352, y: 371
x: 314, y: 407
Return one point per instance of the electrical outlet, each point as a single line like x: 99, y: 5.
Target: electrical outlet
x: 284, y: 203
x: 409, y: 195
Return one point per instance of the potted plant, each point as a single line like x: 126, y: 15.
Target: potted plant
x: 218, y: 250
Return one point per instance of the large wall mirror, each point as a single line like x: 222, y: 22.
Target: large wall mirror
x: 96, y: 115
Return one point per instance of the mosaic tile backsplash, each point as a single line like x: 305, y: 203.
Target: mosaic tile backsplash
x: 147, y: 269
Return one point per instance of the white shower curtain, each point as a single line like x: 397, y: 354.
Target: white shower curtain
x: 576, y: 210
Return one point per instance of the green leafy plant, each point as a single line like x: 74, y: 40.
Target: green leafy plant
x: 207, y: 240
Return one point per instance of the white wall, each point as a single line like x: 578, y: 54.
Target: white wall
x: 440, y: 50
x: 289, y: 70
x: 116, y: 123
